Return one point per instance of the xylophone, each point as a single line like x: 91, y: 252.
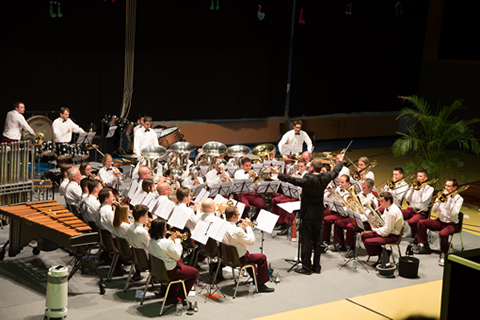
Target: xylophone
x: 44, y: 219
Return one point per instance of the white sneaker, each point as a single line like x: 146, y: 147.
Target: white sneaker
x: 441, y: 262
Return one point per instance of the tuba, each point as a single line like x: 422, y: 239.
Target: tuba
x: 182, y: 152
x: 263, y: 151
x: 151, y: 154
x: 212, y: 150
x: 238, y: 152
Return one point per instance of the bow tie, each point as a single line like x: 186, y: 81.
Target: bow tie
x: 146, y: 130
x: 108, y: 169
x: 297, y: 134
x: 219, y: 173
x: 386, y: 210
x: 64, y: 121
x: 246, y: 172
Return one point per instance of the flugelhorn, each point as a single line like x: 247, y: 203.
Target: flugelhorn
x: 184, y: 236
x: 442, y: 197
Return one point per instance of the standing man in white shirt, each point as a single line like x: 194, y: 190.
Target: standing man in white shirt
x: 144, y: 137
x: 296, y: 137
x: 15, y: 122
x: 242, y: 237
x: 447, y: 222
x: 63, y: 127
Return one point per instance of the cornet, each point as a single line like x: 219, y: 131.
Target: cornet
x: 253, y: 224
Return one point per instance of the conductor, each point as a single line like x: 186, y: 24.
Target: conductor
x: 311, y: 212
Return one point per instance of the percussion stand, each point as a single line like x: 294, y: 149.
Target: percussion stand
x: 120, y: 151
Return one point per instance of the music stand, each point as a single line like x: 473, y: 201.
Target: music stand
x: 274, y: 163
x: 222, y: 189
x: 266, y: 222
x: 289, y: 149
x: 242, y: 185
x: 268, y: 187
x: 357, y: 218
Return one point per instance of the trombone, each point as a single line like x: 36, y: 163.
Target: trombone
x: 417, y: 185
x: 442, y: 197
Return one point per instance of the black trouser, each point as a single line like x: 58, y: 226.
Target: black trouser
x: 311, y: 239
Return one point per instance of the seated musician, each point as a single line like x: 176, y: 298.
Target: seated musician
x: 249, y: 198
x: 307, y: 156
x: 73, y: 192
x: 419, y: 202
x: 137, y: 235
x: 120, y: 221
x: 447, y: 222
x: 148, y: 185
x: 347, y: 243
x: 105, y: 212
x: 109, y: 175
x: 330, y: 215
x: 389, y: 233
x: 208, y: 209
x: 191, y: 180
x: 363, y: 162
x: 183, y: 198
x: 144, y: 137
x: 216, y: 175
x: 286, y: 219
x: 81, y: 203
x: 64, y: 173
x: 400, y: 189
x: 240, y: 237
x: 163, y: 190
x: 92, y: 204
x: 170, y: 252
x: 296, y: 137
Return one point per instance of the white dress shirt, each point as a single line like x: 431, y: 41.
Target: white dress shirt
x: 237, y: 237
x: 212, y: 178
x: 420, y: 200
x: 60, y: 129
x: 73, y: 193
x: 208, y: 217
x: 121, y: 232
x: 393, y: 218
x: 241, y: 174
x: 365, y: 199
x: 108, y: 177
x: 63, y: 186
x: 398, y: 192
x: 448, y: 211
x: 91, y: 207
x: 81, y: 203
x: 167, y: 250
x: 138, y: 236
x: 14, y: 123
x: 297, y: 139
x: 142, y: 139
x: 105, y: 217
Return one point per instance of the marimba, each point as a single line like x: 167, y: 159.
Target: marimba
x: 44, y: 219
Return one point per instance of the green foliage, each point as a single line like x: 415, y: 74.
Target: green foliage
x: 436, y: 139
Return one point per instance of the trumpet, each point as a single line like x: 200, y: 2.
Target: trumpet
x: 253, y: 224
x: 417, y: 185
x: 442, y: 197
x: 183, y: 236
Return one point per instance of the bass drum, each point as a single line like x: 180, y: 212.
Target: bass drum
x: 41, y: 125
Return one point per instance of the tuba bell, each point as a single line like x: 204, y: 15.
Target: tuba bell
x: 238, y: 152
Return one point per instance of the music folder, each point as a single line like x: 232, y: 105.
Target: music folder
x: 289, y: 190
x: 357, y: 217
x: 164, y: 207
x: 242, y: 185
x: 85, y: 137
x: 200, y: 232
x: 179, y: 217
x: 217, y: 229
x: 223, y: 189
x: 268, y: 187
x: 266, y: 221
x: 289, y: 149
x: 111, y: 131
x: 290, y: 207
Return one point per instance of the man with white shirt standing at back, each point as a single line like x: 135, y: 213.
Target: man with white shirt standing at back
x: 296, y: 136
x: 144, y: 137
x: 63, y: 127
x: 14, y: 123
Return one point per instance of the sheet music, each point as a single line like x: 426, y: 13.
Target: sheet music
x: 197, y: 188
x: 133, y: 189
x: 290, y: 190
x: 230, y: 170
x: 257, y: 167
x: 289, y: 149
x: 111, y: 131
x: 217, y: 229
x: 149, y: 201
x: 223, y: 189
x: 158, y: 131
x: 200, y: 232
x: 242, y: 185
x: 179, y: 217
x: 268, y: 187
x: 164, y: 208
x: 290, y: 207
x: 357, y: 217
x: 138, y: 197
x: 85, y: 137
x: 202, y: 195
x: 266, y: 221
x: 273, y: 163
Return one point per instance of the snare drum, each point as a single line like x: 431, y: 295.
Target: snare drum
x: 64, y: 151
x: 110, y: 120
x: 170, y: 136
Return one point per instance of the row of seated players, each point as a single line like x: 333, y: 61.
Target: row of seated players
x: 417, y: 214
x: 96, y: 206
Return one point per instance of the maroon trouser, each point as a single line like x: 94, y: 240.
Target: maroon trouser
x: 414, y: 218
x: 261, y: 268
x: 249, y: 199
x: 446, y: 229
x: 284, y: 216
x: 351, y: 237
x: 329, y: 218
x: 181, y: 271
x: 373, y: 242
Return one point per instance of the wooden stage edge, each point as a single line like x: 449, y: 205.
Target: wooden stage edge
x: 361, y: 125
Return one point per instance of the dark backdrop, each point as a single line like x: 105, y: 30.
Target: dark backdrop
x: 194, y: 63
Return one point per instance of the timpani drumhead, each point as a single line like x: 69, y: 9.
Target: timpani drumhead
x: 41, y: 124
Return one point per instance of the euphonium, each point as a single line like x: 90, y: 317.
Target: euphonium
x: 184, y: 236
x: 375, y: 217
x: 442, y: 197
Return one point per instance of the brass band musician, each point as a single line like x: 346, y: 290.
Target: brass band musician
x: 108, y: 174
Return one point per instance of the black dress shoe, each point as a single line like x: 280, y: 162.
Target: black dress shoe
x: 337, y: 247
x: 302, y: 270
x: 423, y: 249
x: 284, y: 232
x: 317, y: 269
x: 136, y: 277
x: 350, y: 254
x: 264, y: 288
